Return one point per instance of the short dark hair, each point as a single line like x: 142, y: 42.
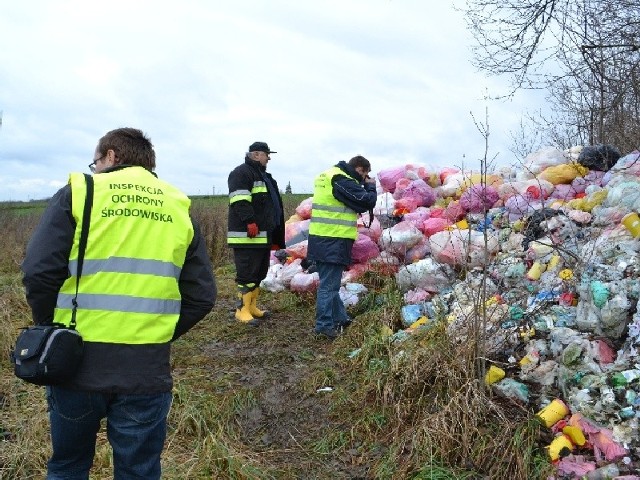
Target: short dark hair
x: 131, y: 146
x: 360, y: 161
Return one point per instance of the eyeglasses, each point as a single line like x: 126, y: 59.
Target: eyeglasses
x: 92, y: 165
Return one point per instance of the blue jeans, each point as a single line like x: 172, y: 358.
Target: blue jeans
x: 136, y: 430
x: 329, y: 307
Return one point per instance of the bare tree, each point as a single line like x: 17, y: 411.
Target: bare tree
x: 585, y: 53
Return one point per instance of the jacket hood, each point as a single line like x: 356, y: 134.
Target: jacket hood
x: 349, y: 170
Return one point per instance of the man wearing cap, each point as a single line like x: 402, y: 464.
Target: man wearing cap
x: 255, y: 227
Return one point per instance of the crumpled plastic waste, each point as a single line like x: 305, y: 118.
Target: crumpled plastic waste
x: 561, y: 270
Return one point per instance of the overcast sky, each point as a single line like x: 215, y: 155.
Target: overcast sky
x: 320, y: 81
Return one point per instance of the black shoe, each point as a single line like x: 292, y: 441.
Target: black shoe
x: 251, y: 323
x: 329, y: 333
x: 345, y: 322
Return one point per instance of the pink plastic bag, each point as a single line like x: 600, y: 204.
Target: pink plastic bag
x: 355, y: 271
x: 445, y: 172
x: 299, y: 250
x: 417, y: 217
x: 424, y: 195
x: 408, y: 204
x: 399, y: 238
x: 304, y: 209
x: 434, y: 225
x: 389, y: 177
x: 373, y: 231
x: 600, y: 437
x: 436, y: 212
x: 479, y: 198
x: 401, y: 186
x: 418, y: 251
x: 564, y: 192
x: 594, y: 177
x: 416, y: 296
x: 296, y: 232
x: 364, y: 249
x: 305, y: 282
x: 521, y: 205
x: 454, y: 211
x: 575, y: 465
x: 448, y: 247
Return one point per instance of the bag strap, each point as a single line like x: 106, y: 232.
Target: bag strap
x: 82, y: 245
x: 370, y: 212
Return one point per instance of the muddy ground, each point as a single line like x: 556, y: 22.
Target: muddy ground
x: 291, y: 374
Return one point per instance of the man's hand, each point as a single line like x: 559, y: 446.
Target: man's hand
x: 252, y: 230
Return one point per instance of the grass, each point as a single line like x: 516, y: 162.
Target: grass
x: 251, y: 403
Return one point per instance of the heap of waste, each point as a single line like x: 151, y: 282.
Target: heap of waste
x: 555, y: 244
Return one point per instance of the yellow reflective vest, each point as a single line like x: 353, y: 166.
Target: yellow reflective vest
x: 139, y: 233
x: 329, y: 216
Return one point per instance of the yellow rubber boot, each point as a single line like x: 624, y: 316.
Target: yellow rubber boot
x: 243, y: 312
x: 255, y: 311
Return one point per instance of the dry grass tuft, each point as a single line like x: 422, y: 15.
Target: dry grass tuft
x: 436, y: 409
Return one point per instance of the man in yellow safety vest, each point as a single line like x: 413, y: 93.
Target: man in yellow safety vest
x: 146, y: 280
x: 340, y: 194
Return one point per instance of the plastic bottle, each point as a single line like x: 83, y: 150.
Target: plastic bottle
x: 632, y: 223
x: 618, y: 379
x: 536, y: 270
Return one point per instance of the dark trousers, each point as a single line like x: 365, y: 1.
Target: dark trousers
x: 136, y: 430
x: 330, y: 309
x: 252, y: 265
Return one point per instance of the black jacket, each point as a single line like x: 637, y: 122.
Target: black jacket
x: 264, y: 209
x: 358, y: 196
x: 106, y: 367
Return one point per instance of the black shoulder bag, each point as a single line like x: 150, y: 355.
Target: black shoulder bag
x: 51, y: 354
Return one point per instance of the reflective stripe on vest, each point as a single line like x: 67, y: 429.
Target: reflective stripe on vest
x: 127, y: 265
x: 138, y: 238
x: 238, y: 195
x: 329, y: 216
x: 242, y: 238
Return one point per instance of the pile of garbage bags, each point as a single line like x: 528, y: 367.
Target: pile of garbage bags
x: 554, y: 246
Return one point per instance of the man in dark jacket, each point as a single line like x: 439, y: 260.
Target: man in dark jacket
x: 146, y: 280
x: 255, y: 227
x: 340, y: 194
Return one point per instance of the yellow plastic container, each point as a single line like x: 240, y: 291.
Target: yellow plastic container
x: 566, y: 274
x: 553, y: 412
x: 494, y: 374
x: 632, y: 223
x: 536, y: 270
x: 575, y: 434
x: 553, y: 263
x: 561, y: 446
x: 421, y: 321
x: 462, y: 224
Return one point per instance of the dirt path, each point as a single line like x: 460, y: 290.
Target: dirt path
x: 285, y: 369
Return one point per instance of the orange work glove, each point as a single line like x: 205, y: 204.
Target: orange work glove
x: 252, y: 230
